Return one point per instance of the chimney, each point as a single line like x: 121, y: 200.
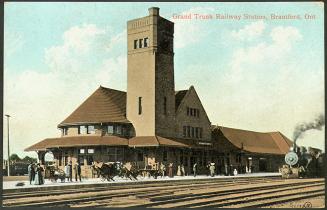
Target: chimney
x: 154, y: 11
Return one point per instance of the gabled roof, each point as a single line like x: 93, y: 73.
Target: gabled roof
x: 257, y: 142
x: 73, y: 141
x: 179, y: 95
x: 104, y: 105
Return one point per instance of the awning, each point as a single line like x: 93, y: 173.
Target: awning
x: 156, y: 141
x: 76, y: 141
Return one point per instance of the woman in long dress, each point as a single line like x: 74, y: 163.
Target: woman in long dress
x: 37, y: 175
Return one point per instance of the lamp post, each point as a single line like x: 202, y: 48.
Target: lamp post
x: 7, y: 115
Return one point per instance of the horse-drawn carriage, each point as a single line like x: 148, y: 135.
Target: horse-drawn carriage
x: 53, y: 173
x: 107, y: 171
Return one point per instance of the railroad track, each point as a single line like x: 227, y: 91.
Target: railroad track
x: 180, y: 183
x: 255, y: 192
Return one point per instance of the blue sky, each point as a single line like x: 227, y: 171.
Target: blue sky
x: 261, y: 75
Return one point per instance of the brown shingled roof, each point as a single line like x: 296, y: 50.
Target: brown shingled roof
x: 104, y: 105
x: 257, y: 142
x: 141, y: 141
x: 73, y: 141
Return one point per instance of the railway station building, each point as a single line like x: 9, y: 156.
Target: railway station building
x: 152, y: 122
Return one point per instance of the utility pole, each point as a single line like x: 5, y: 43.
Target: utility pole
x: 7, y: 115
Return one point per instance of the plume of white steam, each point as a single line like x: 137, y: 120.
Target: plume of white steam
x: 301, y: 128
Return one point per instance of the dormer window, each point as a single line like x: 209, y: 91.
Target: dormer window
x: 64, y: 131
x: 90, y: 129
x: 82, y: 129
x: 110, y: 129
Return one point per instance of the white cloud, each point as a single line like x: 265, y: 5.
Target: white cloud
x: 250, y: 31
x: 268, y: 88
x: 39, y: 100
x: 188, y: 32
x: 283, y: 38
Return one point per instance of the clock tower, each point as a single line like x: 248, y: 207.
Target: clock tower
x: 150, y: 75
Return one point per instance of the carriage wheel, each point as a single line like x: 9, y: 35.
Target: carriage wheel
x: 102, y: 178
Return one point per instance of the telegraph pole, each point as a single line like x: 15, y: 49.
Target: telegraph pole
x: 7, y: 115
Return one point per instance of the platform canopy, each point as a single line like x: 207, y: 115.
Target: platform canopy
x: 76, y: 141
x: 158, y: 141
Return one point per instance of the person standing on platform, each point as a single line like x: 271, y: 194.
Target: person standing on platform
x: 77, y: 169
x: 212, y: 169
x: 67, y: 171
x: 41, y: 177
x: 170, y: 170
x: 195, y: 168
x: 37, y: 175
x: 179, y: 173
x: 31, y: 172
x: 70, y: 171
x: 182, y: 170
x: 163, y: 169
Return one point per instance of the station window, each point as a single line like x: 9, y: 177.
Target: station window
x: 81, y: 151
x: 184, y: 131
x: 90, y: 151
x: 146, y: 42
x: 188, y: 131
x: 192, y: 131
x: 188, y: 111
x: 200, y: 134
x: 197, y: 132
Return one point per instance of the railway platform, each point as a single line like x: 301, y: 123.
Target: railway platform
x: 24, y: 186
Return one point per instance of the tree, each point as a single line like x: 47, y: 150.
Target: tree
x: 14, y: 158
x: 29, y: 159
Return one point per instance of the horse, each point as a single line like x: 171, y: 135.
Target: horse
x: 106, y: 170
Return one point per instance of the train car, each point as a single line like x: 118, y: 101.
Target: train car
x: 302, y: 162
x: 19, y: 169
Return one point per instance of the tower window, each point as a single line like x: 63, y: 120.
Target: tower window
x: 140, y: 43
x: 135, y: 44
x: 146, y: 42
x: 140, y: 105
x: 165, y: 105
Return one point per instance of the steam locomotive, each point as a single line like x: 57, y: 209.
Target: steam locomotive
x: 302, y: 162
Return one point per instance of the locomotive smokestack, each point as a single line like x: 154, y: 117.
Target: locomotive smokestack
x: 301, y: 128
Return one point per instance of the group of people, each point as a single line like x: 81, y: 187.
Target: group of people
x: 210, y: 169
x: 69, y: 171
x: 35, y: 174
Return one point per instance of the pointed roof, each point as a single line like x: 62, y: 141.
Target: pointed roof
x: 104, y: 105
x: 257, y: 142
x: 179, y: 95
